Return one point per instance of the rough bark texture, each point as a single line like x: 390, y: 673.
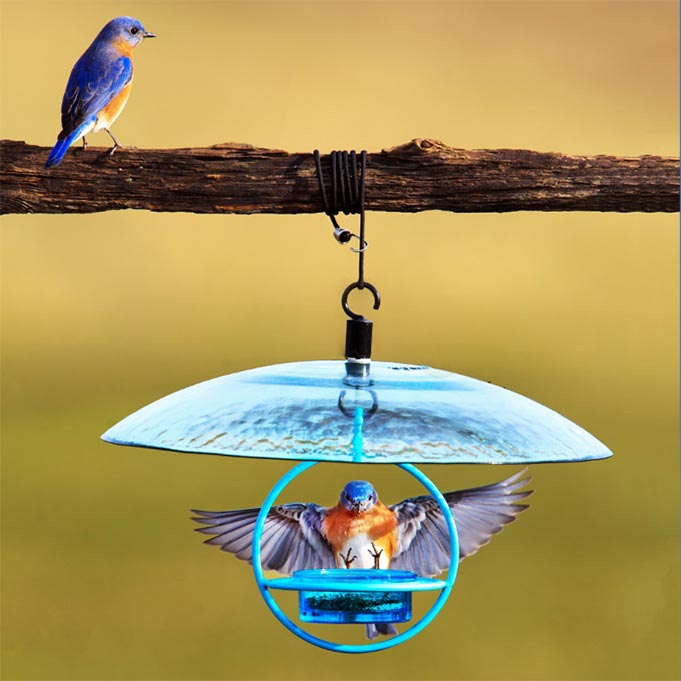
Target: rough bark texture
x: 420, y: 175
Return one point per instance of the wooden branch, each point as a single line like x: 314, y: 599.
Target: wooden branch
x: 420, y: 175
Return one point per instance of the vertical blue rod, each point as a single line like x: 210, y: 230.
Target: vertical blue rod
x: 357, y: 438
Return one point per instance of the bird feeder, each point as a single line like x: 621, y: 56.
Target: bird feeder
x: 356, y: 411
x: 388, y: 601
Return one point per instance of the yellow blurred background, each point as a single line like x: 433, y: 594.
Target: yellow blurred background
x: 102, y: 577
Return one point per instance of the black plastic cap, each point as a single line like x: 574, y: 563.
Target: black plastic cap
x: 358, y: 338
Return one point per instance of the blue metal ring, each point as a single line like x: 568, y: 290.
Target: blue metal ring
x: 368, y: 647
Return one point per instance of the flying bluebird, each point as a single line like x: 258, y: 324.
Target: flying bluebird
x: 362, y: 532
x: 99, y: 85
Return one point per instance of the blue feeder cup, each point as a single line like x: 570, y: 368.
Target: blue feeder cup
x: 348, y: 604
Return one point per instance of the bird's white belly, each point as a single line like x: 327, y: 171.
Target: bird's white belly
x: 100, y: 124
x: 360, y: 547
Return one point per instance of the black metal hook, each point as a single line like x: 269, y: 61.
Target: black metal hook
x: 357, y: 285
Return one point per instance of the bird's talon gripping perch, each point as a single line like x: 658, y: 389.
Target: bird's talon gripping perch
x: 376, y: 555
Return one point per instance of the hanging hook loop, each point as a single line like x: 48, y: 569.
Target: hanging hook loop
x: 350, y: 412
x: 359, y: 285
x: 347, y: 193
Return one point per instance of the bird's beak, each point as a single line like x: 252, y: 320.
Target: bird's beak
x: 149, y: 35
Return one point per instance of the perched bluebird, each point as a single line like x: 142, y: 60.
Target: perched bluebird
x: 99, y: 85
x: 362, y: 532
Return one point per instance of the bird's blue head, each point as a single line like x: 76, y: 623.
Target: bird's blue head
x: 358, y: 496
x: 124, y: 32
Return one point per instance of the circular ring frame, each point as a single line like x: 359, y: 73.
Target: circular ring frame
x: 341, y: 647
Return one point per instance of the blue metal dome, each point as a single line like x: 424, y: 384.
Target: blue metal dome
x: 307, y: 411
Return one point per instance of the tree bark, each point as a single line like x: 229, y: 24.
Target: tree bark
x: 420, y: 175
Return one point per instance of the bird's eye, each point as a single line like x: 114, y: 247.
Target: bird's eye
x: 134, y: 30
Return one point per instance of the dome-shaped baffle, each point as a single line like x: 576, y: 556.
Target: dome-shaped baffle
x: 306, y: 411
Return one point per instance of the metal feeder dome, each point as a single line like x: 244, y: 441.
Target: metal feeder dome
x: 411, y: 414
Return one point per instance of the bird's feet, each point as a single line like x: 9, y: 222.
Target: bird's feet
x: 376, y: 555
x: 347, y: 559
x: 117, y: 144
x: 85, y: 144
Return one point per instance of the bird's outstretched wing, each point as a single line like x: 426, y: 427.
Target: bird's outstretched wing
x: 292, y: 537
x: 479, y: 513
x: 94, y: 82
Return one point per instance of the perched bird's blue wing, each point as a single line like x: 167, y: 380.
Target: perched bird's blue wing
x: 292, y: 537
x: 479, y: 513
x: 95, y: 80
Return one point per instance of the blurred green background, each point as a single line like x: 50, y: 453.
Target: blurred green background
x: 102, y: 577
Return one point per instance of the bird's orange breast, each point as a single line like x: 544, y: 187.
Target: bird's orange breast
x: 378, y: 525
x: 112, y: 110
x: 122, y: 46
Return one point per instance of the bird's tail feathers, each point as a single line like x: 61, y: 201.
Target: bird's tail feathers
x: 63, y: 144
x: 374, y: 629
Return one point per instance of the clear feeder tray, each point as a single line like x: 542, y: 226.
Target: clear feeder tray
x: 350, y: 606
x: 341, y: 596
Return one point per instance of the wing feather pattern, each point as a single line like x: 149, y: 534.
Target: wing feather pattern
x: 292, y: 537
x: 479, y: 513
x: 95, y: 80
